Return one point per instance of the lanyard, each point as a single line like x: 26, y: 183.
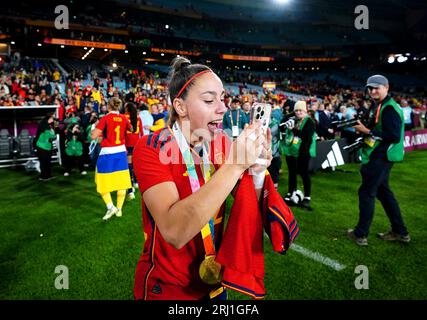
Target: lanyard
x: 378, y: 113
x: 300, y: 123
x: 207, y: 231
x: 237, y: 118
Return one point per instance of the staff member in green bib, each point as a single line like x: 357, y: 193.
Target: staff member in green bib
x: 74, y: 148
x: 299, y: 145
x: 43, y: 143
x: 382, y: 148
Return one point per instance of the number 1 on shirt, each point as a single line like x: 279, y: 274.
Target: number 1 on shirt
x: 117, y: 130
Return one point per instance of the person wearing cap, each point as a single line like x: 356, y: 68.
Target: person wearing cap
x: 298, y: 146
x: 383, y: 146
x: 234, y: 120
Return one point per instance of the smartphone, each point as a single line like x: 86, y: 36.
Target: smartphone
x: 261, y: 112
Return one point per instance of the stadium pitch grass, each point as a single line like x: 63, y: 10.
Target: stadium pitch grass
x: 46, y: 224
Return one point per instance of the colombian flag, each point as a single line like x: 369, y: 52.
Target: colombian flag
x: 112, y: 171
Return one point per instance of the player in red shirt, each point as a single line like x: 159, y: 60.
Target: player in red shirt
x: 132, y: 137
x: 183, y: 194
x: 112, y: 171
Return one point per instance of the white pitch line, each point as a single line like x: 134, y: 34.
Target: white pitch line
x: 315, y: 256
x: 318, y: 257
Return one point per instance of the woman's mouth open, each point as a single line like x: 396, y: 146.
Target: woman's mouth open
x: 214, y: 125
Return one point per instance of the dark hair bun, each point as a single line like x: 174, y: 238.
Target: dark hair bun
x: 180, y: 63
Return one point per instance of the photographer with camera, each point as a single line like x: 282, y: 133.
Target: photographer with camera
x: 298, y: 145
x: 43, y: 143
x: 383, y: 145
x: 74, y: 148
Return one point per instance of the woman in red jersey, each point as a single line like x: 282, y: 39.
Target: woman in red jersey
x: 185, y: 173
x: 132, y: 137
x: 112, y: 171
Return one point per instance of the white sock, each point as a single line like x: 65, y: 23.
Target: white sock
x: 308, y: 198
x: 110, y: 206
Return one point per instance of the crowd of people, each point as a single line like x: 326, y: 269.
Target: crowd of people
x: 82, y: 107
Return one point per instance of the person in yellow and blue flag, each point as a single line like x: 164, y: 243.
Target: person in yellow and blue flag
x: 112, y: 171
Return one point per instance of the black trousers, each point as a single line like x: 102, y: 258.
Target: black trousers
x: 70, y: 161
x: 274, y: 168
x: 298, y: 166
x: 375, y: 175
x: 45, y: 165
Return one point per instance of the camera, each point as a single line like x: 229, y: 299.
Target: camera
x: 289, y: 124
x: 368, y: 120
x: 357, y: 144
x: 340, y: 124
x: 365, y: 118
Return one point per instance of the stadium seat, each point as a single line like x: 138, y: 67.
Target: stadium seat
x: 5, y: 143
x: 24, y: 143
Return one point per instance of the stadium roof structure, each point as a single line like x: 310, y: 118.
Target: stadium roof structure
x: 301, y: 24
x: 394, y: 15
x: 300, y: 33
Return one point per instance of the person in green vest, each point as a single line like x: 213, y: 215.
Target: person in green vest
x: 43, y: 144
x: 383, y: 146
x: 75, y: 136
x: 299, y: 145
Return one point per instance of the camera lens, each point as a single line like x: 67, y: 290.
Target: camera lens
x: 262, y: 113
x: 258, y: 109
x: 257, y: 116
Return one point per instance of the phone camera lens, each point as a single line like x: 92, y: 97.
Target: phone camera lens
x: 259, y: 109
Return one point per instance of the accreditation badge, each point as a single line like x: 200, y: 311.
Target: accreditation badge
x: 370, y: 141
x: 235, y: 131
x: 296, y: 140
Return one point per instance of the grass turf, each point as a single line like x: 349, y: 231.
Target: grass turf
x: 101, y: 256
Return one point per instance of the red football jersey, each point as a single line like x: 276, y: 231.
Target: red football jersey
x: 113, y: 127
x: 164, y: 272
x: 133, y: 137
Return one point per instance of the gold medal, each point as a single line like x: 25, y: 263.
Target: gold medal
x: 210, y: 270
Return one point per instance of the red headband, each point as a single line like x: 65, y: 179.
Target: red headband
x: 190, y: 80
